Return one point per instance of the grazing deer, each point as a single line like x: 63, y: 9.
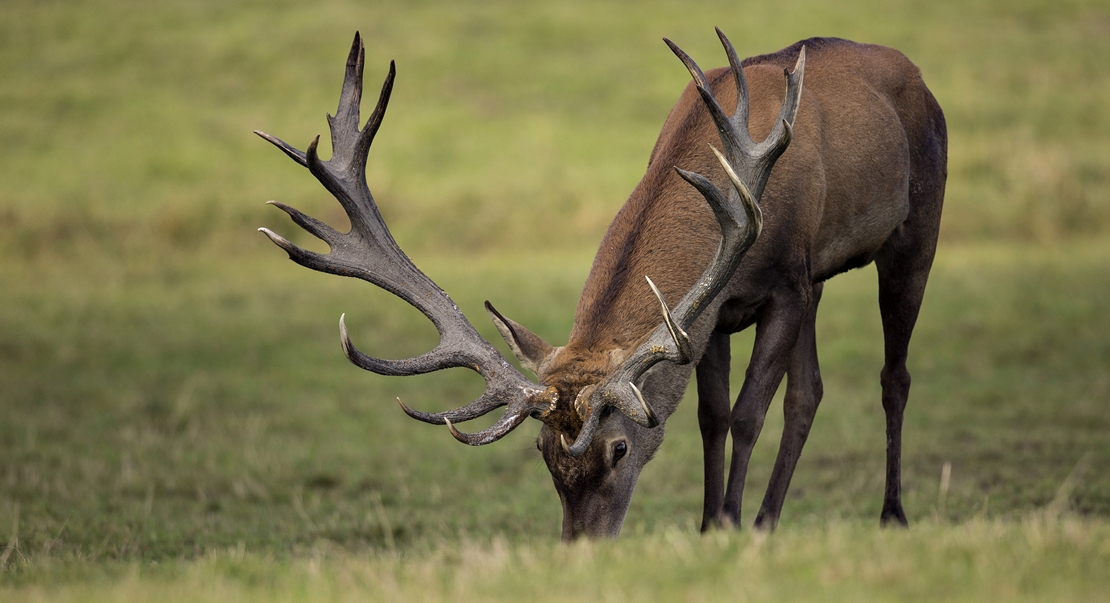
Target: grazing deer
x: 863, y: 182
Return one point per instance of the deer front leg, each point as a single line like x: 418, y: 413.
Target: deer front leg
x: 775, y: 336
x: 713, y: 419
x: 803, y: 393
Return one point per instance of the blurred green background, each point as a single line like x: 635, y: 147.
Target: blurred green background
x: 171, y: 386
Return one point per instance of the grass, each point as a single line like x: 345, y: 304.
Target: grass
x: 1033, y: 560
x: 177, y: 421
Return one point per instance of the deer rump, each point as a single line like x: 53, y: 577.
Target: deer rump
x: 850, y: 171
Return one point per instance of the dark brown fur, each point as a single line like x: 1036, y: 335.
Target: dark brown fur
x: 862, y: 181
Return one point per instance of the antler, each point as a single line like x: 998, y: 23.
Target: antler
x: 369, y: 252
x: 748, y: 166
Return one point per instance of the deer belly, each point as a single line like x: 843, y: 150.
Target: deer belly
x: 854, y: 241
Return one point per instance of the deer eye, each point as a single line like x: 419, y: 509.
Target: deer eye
x: 619, y: 450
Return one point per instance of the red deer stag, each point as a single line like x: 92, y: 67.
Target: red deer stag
x: 863, y: 181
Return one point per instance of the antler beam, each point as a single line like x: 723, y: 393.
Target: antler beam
x: 368, y: 252
x: 748, y: 166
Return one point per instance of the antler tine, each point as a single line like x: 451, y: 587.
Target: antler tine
x: 458, y: 415
x: 748, y: 166
x: 508, y: 422
x: 585, y: 435
x: 589, y: 426
x: 777, y: 141
x: 366, y: 138
x: 286, y: 148
x: 516, y: 413
x: 345, y: 121
x: 724, y: 128
x: 369, y: 252
x: 315, y: 227
x: 740, y: 115
x: 678, y: 335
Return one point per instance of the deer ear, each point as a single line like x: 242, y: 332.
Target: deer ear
x: 532, y: 351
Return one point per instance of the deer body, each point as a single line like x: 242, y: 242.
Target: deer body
x: 837, y: 197
x: 861, y: 181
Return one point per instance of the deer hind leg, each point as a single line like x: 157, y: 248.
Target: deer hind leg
x: 776, y: 333
x: 803, y: 393
x: 903, y: 266
x: 713, y: 418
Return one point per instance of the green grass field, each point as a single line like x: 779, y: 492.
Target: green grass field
x: 177, y: 420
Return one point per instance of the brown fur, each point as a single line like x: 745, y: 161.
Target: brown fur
x: 862, y: 180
